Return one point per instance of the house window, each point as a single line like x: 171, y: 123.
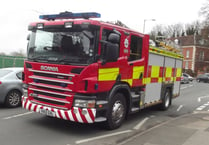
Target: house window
x: 201, y: 55
x: 186, y: 65
x: 187, y: 54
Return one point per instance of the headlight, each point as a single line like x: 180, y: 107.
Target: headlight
x: 25, y: 93
x: 84, y: 103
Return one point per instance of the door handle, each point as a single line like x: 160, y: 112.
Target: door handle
x: 141, y: 76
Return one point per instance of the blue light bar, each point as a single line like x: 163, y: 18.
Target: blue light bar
x: 70, y: 15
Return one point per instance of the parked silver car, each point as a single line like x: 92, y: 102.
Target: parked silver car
x: 184, y: 79
x: 189, y: 77
x: 11, y: 86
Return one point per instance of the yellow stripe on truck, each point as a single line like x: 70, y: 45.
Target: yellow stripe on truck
x: 168, y: 72
x: 178, y: 73
x: 108, y: 74
x: 137, y: 70
x: 155, y: 71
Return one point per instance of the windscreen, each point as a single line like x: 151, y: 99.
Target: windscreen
x: 63, y: 46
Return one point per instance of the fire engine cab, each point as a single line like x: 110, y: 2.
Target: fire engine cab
x: 83, y: 70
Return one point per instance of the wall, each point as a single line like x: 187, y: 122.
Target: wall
x: 202, y: 66
x: 11, y: 61
x: 188, y: 59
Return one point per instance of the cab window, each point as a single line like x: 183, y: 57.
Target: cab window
x: 135, y: 48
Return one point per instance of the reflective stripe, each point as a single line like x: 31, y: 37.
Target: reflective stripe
x: 155, y: 71
x: 165, y: 53
x: 156, y: 74
x: 137, y: 70
x: 160, y: 80
x: 168, y: 73
x: 108, y: 74
x: 89, y: 117
x: 178, y: 73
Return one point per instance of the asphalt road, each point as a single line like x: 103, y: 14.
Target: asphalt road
x: 20, y: 127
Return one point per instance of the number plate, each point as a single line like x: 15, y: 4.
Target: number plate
x: 47, y: 112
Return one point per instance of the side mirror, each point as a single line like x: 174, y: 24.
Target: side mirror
x: 110, y: 52
x: 110, y: 48
x: 28, y: 37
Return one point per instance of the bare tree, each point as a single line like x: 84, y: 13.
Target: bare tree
x: 18, y: 53
x: 193, y: 28
x: 2, y: 53
x: 204, y: 11
x: 175, y: 30
x: 157, y: 30
x: 118, y: 22
x: 168, y: 31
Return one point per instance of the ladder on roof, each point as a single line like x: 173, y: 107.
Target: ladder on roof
x: 169, y: 45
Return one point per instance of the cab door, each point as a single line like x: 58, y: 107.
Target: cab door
x: 136, y: 61
x: 109, y: 71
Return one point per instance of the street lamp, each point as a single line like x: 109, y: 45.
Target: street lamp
x: 145, y: 22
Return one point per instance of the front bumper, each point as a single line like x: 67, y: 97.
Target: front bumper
x: 76, y: 114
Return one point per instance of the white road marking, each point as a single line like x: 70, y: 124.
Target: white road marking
x: 102, y: 136
x: 202, y: 106
x: 179, y: 108
x: 186, y: 87
x: 199, y: 99
x: 183, y: 88
x: 139, y: 125
x: 18, y: 115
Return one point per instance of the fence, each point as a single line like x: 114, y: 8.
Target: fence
x: 11, y: 61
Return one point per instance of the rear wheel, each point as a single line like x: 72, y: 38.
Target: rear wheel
x: 166, y: 100
x: 13, y: 99
x: 116, y: 112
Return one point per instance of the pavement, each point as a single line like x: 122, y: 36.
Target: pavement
x: 189, y: 129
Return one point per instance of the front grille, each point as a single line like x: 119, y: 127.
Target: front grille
x: 51, y: 75
x: 50, y: 101
x: 54, y: 89
x: 48, y: 94
x: 49, y: 82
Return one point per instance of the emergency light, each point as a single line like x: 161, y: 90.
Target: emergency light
x: 70, y: 15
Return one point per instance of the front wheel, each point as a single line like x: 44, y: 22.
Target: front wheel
x: 116, y: 112
x: 166, y: 101
x: 13, y: 99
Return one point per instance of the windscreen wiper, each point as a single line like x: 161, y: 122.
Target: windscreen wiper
x: 39, y: 57
x: 65, y: 60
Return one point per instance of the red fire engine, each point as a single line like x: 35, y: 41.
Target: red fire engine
x: 87, y: 71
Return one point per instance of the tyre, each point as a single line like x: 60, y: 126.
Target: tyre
x: 116, y: 112
x: 13, y: 99
x: 166, y: 102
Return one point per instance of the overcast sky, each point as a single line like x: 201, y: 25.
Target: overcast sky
x: 15, y: 15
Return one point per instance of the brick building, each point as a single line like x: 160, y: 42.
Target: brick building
x: 195, y: 49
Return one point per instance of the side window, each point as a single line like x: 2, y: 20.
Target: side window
x: 105, y: 34
x: 135, y: 48
x: 109, y: 36
x: 19, y: 75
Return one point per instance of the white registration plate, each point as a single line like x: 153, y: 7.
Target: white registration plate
x: 47, y: 112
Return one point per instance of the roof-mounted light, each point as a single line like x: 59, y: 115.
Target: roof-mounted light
x: 70, y: 15
x: 40, y: 25
x: 68, y: 24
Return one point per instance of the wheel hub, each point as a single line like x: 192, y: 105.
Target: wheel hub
x: 118, y: 111
x: 14, y: 99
